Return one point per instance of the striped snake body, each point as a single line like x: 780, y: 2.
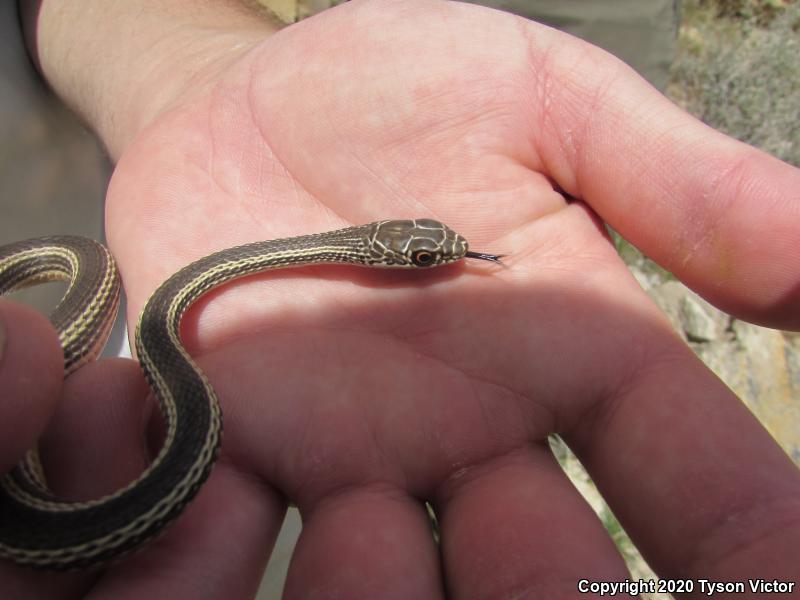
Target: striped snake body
x: 39, y: 530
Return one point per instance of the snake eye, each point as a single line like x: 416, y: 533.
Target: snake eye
x: 423, y: 258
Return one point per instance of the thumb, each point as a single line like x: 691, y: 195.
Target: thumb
x: 31, y: 373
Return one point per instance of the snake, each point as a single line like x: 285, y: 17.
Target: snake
x: 39, y: 529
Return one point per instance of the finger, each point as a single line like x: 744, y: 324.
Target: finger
x: 31, y: 376
x: 721, y: 215
x: 692, y: 476
x: 94, y: 444
x: 31, y: 372
x: 362, y: 541
x: 367, y: 542
x: 17, y: 582
x: 217, y: 549
x: 515, y: 527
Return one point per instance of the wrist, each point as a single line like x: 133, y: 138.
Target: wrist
x: 121, y: 64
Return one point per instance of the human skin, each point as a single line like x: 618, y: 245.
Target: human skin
x: 357, y: 393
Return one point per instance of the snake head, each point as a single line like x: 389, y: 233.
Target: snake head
x: 417, y: 243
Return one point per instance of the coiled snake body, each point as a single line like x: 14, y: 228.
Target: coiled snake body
x: 39, y: 530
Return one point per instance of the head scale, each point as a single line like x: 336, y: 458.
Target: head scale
x: 418, y: 243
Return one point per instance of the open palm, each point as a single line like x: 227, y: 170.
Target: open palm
x: 358, y: 393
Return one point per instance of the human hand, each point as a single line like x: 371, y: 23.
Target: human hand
x: 356, y: 394
x: 91, y: 446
